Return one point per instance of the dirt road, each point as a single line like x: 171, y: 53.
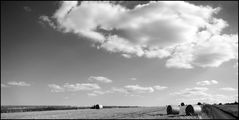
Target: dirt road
x: 215, y: 113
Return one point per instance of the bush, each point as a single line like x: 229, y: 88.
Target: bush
x: 199, y: 103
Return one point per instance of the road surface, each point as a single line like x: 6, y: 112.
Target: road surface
x: 215, y: 113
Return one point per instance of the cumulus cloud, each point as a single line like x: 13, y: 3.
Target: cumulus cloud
x: 20, y: 83
x: 207, y: 82
x: 73, y: 87
x: 79, y: 87
x: 56, y: 88
x: 126, y: 55
x: 200, y: 94
x: 128, y: 90
x: 98, y: 92
x: 158, y: 87
x: 185, y: 34
x: 100, y: 79
x: 228, y: 89
x: 138, y: 89
x: 47, y: 20
x: 191, y: 91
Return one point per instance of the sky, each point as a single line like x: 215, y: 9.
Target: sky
x: 119, y: 53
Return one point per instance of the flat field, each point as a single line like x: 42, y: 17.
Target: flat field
x: 107, y: 113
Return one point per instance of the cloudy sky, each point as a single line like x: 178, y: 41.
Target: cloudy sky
x: 118, y: 53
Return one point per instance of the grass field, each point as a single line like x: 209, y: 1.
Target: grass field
x: 111, y: 113
x: 231, y: 109
x: 14, y: 108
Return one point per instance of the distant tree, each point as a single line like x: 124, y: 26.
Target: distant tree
x: 199, y: 103
x: 182, y: 104
x: 235, y: 102
x: 220, y: 104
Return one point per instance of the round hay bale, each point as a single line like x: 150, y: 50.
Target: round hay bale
x: 173, y: 109
x: 98, y: 106
x: 193, y: 110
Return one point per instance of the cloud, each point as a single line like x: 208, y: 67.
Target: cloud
x: 27, y: 9
x: 100, y: 79
x: 228, y: 89
x: 56, y: 88
x: 185, y: 34
x: 47, y: 20
x: 20, y: 83
x: 3, y: 85
x: 207, y: 82
x: 119, y: 90
x: 97, y: 92
x: 133, y: 79
x: 191, y: 91
x: 73, y: 87
x: 200, y: 94
x: 128, y: 90
x: 126, y: 55
x: 138, y: 89
x: 157, y: 87
x: 92, y: 94
x: 79, y: 87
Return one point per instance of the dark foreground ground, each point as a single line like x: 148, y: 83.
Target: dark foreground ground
x: 209, y: 112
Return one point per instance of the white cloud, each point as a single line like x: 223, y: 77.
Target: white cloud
x: 128, y: 90
x: 207, y: 82
x: 228, y: 89
x: 126, y: 55
x: 133, y: 79
x: 119, y: 90
x: 157, y: 87
x: 138, y: 89
x: 79, y: 87
x: 189, y: 92
x: 92, y: 94
x: 97, y: 92
x: 3, y: 85
x: 47, y: 20
x: 73, y: 87
x: 187, y: 35
x: 200, y: 94
x: 209, y: 98
x: 100, y: 79
x: 56, y: 88
x: 20, y: 83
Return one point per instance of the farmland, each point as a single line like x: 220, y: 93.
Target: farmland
x: 107, y: 113
x: 113, y: 112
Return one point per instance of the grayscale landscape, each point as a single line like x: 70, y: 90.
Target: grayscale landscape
x: 119, y: 60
